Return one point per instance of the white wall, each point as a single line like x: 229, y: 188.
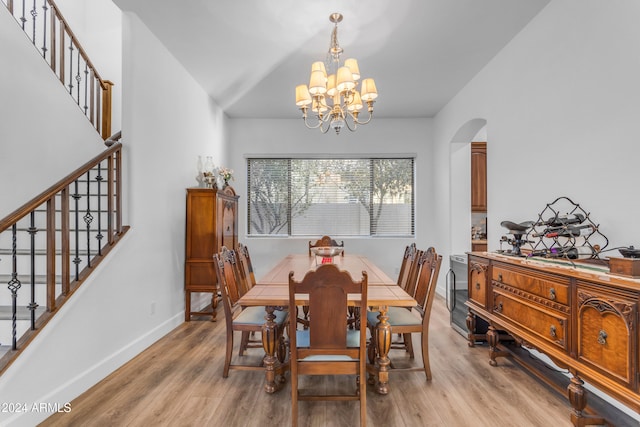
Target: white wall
x: 35, y: 117
x: 559, y: 101
x: 137, y: 296
x: 392, y: 136
x: 561, y: 107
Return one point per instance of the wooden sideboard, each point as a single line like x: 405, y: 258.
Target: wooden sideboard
x: 212, y: 222
x: 579, y: 315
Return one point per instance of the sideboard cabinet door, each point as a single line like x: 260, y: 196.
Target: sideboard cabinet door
x: 478, y: 273
x: 607, y: 338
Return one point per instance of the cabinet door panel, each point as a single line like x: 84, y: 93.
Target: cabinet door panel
x: 605, y: 333
x: 227, y: 215
x: 478, y: 177
x: 201, y: 226
x: 478, y: 282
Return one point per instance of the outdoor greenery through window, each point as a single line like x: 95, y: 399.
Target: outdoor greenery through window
x: 336, y: 197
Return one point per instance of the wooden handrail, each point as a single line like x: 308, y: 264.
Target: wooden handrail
x: 32, y: 204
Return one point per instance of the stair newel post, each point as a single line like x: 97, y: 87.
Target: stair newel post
x: 14, y: 285
x: 51, y: 252
x: 32, y: 252
x: 106, y: 87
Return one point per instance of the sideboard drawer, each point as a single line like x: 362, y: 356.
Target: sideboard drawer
x: 554, y: 289
x: 548, y: 325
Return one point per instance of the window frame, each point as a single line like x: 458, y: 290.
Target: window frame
x: 289, y: 158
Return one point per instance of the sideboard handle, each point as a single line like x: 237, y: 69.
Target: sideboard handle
x: 552, y: 294
x: 478, y: 285
x: 602, y: 337
x: 552, y: 331
x: 500, y: 277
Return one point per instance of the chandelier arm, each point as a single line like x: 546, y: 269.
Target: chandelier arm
x: 325, y: 129
x: 360, y: 122
x: 306, y: 122
x: 353, y: 121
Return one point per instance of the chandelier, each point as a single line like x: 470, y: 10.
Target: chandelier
x: 333, y: 95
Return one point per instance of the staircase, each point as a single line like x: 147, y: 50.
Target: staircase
x: 51, y: 244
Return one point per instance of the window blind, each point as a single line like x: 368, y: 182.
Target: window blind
x: 332, y: 196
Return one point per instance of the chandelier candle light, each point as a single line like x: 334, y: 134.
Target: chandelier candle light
x: 334, y: 98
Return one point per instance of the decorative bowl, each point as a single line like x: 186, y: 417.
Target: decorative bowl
x: 327, y: 251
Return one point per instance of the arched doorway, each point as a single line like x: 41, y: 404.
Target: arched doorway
x: 461, y: 216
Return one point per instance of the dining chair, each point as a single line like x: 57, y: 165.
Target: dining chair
x: 407, y: 322
x: 325, y: 241
x: 407, y: 280
x: 328, y: 346
x: 246, y: 268
x: 243, y: 319
x: 407, y: 265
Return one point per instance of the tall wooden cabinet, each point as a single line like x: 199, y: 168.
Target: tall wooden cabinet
x: 212, y: 222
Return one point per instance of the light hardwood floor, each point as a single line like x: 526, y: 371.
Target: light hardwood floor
x: 178, y: 382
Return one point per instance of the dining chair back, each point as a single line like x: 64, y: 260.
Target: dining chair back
x: 246, y: 268
x: 407, y: 322
x: 328, y: 346
x: 232, y: 279
x: 413, y: 274
x: 325, y: 241
x: 407, y: 265
x: 247, y: 320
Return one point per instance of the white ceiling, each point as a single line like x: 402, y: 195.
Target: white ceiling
x: 250, y: 54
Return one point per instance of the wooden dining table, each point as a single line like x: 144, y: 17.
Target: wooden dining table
x: 272, y: 291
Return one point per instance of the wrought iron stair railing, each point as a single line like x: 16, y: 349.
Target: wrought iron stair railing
x: 50, y: 245
x: 49, y: 32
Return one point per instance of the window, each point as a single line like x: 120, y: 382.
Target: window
x: 337, y: 197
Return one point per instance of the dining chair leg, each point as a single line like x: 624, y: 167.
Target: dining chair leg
x: 294, y: 400
x: 228, y: 354
x: 425, y: 354
x: 371, y: 355
x: 244, y: 342
x: 408, y: 344
x: 363, y: 403
x: 305, y: 310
